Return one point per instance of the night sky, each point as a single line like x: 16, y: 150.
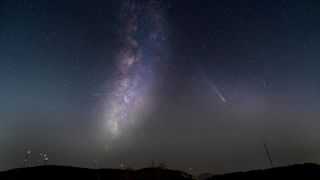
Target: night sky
x: 199, y: 84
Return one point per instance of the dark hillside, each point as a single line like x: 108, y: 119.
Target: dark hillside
x: 73, y: 173
x: 301, y: 171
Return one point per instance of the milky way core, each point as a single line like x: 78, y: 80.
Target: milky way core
x: 132, y: 94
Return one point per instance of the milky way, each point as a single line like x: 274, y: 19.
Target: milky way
x: 142, y: 35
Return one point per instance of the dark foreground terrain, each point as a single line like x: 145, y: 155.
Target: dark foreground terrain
x: 300, y: 171
x: 73, y: 173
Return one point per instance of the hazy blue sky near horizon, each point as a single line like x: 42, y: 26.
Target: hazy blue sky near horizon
x: 197, y: 83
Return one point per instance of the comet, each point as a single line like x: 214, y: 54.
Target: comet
x: 214, y: 88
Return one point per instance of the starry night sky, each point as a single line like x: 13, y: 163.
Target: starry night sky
x: 197, y: 83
